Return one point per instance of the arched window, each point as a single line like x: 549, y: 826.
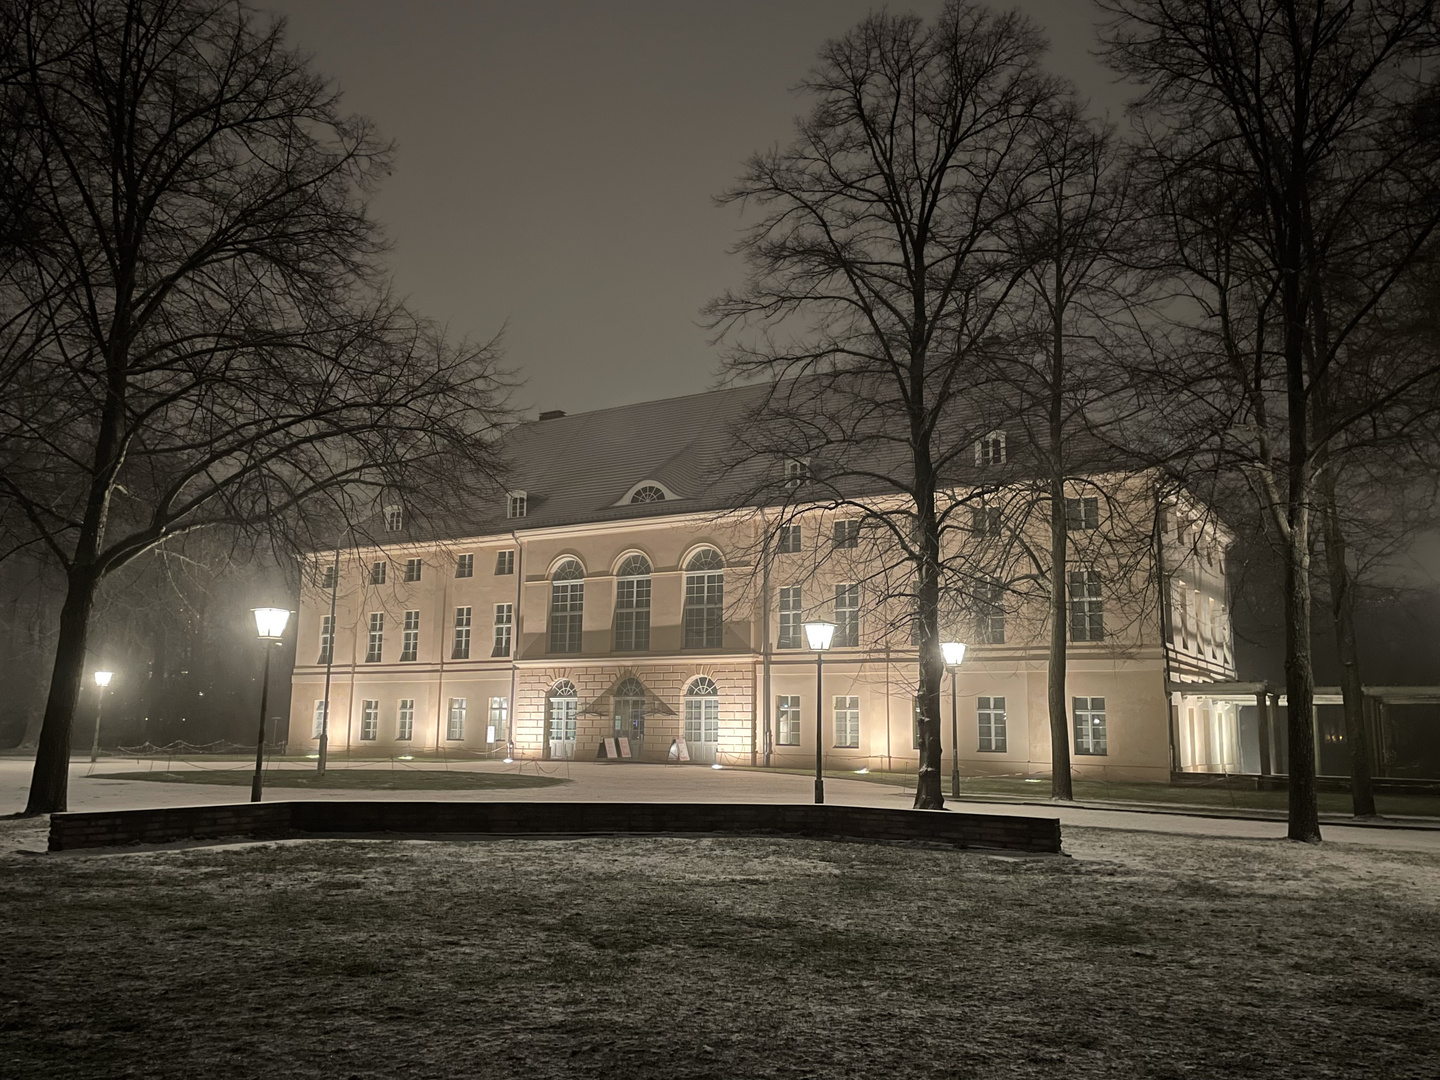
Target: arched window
x: 648, y: 493
x: 567, y: 607
x: 704, y: 600
x: 564, y: 710
x: 632, y: 605
x: 630, y: 712
x: 702, y: 717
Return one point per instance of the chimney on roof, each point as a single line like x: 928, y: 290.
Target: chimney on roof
x: 552, y: 414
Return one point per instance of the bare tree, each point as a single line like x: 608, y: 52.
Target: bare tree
x: 200, y: 333
x: 1290, y: 144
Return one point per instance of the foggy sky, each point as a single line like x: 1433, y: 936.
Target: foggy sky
x: 557, y: 162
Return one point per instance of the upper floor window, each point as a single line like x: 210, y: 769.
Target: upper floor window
x: 846, y: 534
x: 990, y: 613
x: 648, y: 494
x: 330, y: 576
x: 394, y: 518
x: 704, y: 600
x: 567, y: 607
x: 1082, y: 513
x: 465, y: 566
x: 797, y: 470
x: 515, y: 504
x: 1087, y: 606
x: 461, y: 648
x: 990, y: 449
x: 412, y: 569
x: 377, y: 573
x: 504, y: 620
x: 632, y: 605
x: 327, y: 639
x: 847, y: 616
x: 790, y: 616
x: 375, y: 645
x: 788, y: 540
x: 504, y: 563
x: 985, y: 520
x: 410, y: 636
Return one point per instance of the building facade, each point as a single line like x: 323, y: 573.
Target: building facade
x: 615, y: 605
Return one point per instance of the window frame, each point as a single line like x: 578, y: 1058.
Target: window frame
x: 377, y: 572
x: 851, y: 711
x: 634, y: 592
x: 369, y: 719
x: 787, y: 711
x: 845, y: 534
x: 788, y: 540
x: 410, y: 637
x: 375, y: 642
x: 465, y: 565
x: 987, y: 716
x: 318, y: 717
x: 460, y: 641
x: 565, y: 633
x: 413, y: 569
x: 1082, y: 513
x: 405, y: 720
x: 455, y: 720
x: 503, y: 630
x: 703, y: 610
x: 1086, y: 609
x: 990, y: 448
x: 517, y: 504
x: 847, y: 625
x: 505, y: 563
x: 791, y: 623
x: 1088, y: 741
x: 327, y: 640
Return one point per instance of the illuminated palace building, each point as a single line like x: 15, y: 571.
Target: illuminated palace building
x: 617, y: 593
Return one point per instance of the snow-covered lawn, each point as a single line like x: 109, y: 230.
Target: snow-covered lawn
x: 1144, y: 955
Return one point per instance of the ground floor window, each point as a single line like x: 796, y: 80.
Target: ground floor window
x: 564, y: 711
x: 702, y: 711
x: 321, y: 707
x: 787, y: 714
x: 499, y: 729
x: 455, y: 727
x: 405, y: 719
x: 1089, y: 725
x: 369, y: 720
x: 847, y: 721
x: 990, y: 712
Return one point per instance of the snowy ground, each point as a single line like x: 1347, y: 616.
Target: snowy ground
x: 1144, y: 955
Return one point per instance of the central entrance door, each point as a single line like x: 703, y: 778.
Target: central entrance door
x: 564, y: 711
x: 702, y: 719
x: 630, y: 715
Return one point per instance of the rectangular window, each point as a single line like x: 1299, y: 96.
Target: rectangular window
x: 330, y: 576
x: 504, y: 617
x: 410, y: 636
x: 321, y: 708
x: 1089, y: 725
x: 504, y: 563
x: 990, y: 613
x: 499, y: 730
x: 1087, y: 607
x: 369, y: 720
x: 1082, y: 513
x: 790, y: 615
x: 327, y: 639
x: 787, y: 720
x: 515, y: 504
x: 847, y: 721
x: 847, y: 616
x: 789, y: 540
x: 461, y: 650
x: 632, y: 614
x: 377, y: 573
x: 455, y: 726
x: 405, y: 719
x: 846, y: 534
x: 567, y: 610
x: 465, y: 566
x: 376, y: 644
x: 412, y: 569
x: 985, y: 520
x: 990, y: 712
x: 990, y: 450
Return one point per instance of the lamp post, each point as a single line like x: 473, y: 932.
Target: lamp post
x: 270, y: 625
x: 954, y: 653
x: 102, y: 680
x: 819, y: 634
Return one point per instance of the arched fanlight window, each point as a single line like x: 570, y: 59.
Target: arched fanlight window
x: 702, y: 712
x: 564, y: 688
x: 704, y: 600
x: 630, y: 688
x: 648, y: 494
x: 567, y: 607
x: 632, y: 605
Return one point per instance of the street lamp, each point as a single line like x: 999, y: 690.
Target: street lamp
x: 819, y: 634
x: 102, y: 680
x: 270, y: 625
x: 954, y: 654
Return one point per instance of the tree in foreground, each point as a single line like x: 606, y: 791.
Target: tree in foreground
x: 1291, y: 147
x: 197, y: 329
x: 877, y: 275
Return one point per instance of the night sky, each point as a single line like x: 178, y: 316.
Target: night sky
x: 558, y: 160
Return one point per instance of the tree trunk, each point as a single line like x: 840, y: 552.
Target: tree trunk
x: 1352, y: 688
x: 49, y: 782
x: 1060, y: 785
x: 928, y: 788
x: 1304, y: 816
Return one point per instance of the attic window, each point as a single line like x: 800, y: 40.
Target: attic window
x: 394, y: 518
x: 648, y: 494
x: 515, y: 504
x: 796, y: 471
x: 990, y: 449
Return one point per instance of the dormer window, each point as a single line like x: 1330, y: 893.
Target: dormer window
x: 648, y: 494
x: 394, y: 518
x: 990, y: 449
x: 515, y: 504
x: 797, y: 470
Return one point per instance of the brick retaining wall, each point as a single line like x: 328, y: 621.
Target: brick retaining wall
x: 361, y: 818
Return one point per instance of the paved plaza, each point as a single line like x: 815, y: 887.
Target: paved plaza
x: 601, y: 782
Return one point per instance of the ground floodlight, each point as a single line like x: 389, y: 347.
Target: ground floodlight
x: 819, y: 634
